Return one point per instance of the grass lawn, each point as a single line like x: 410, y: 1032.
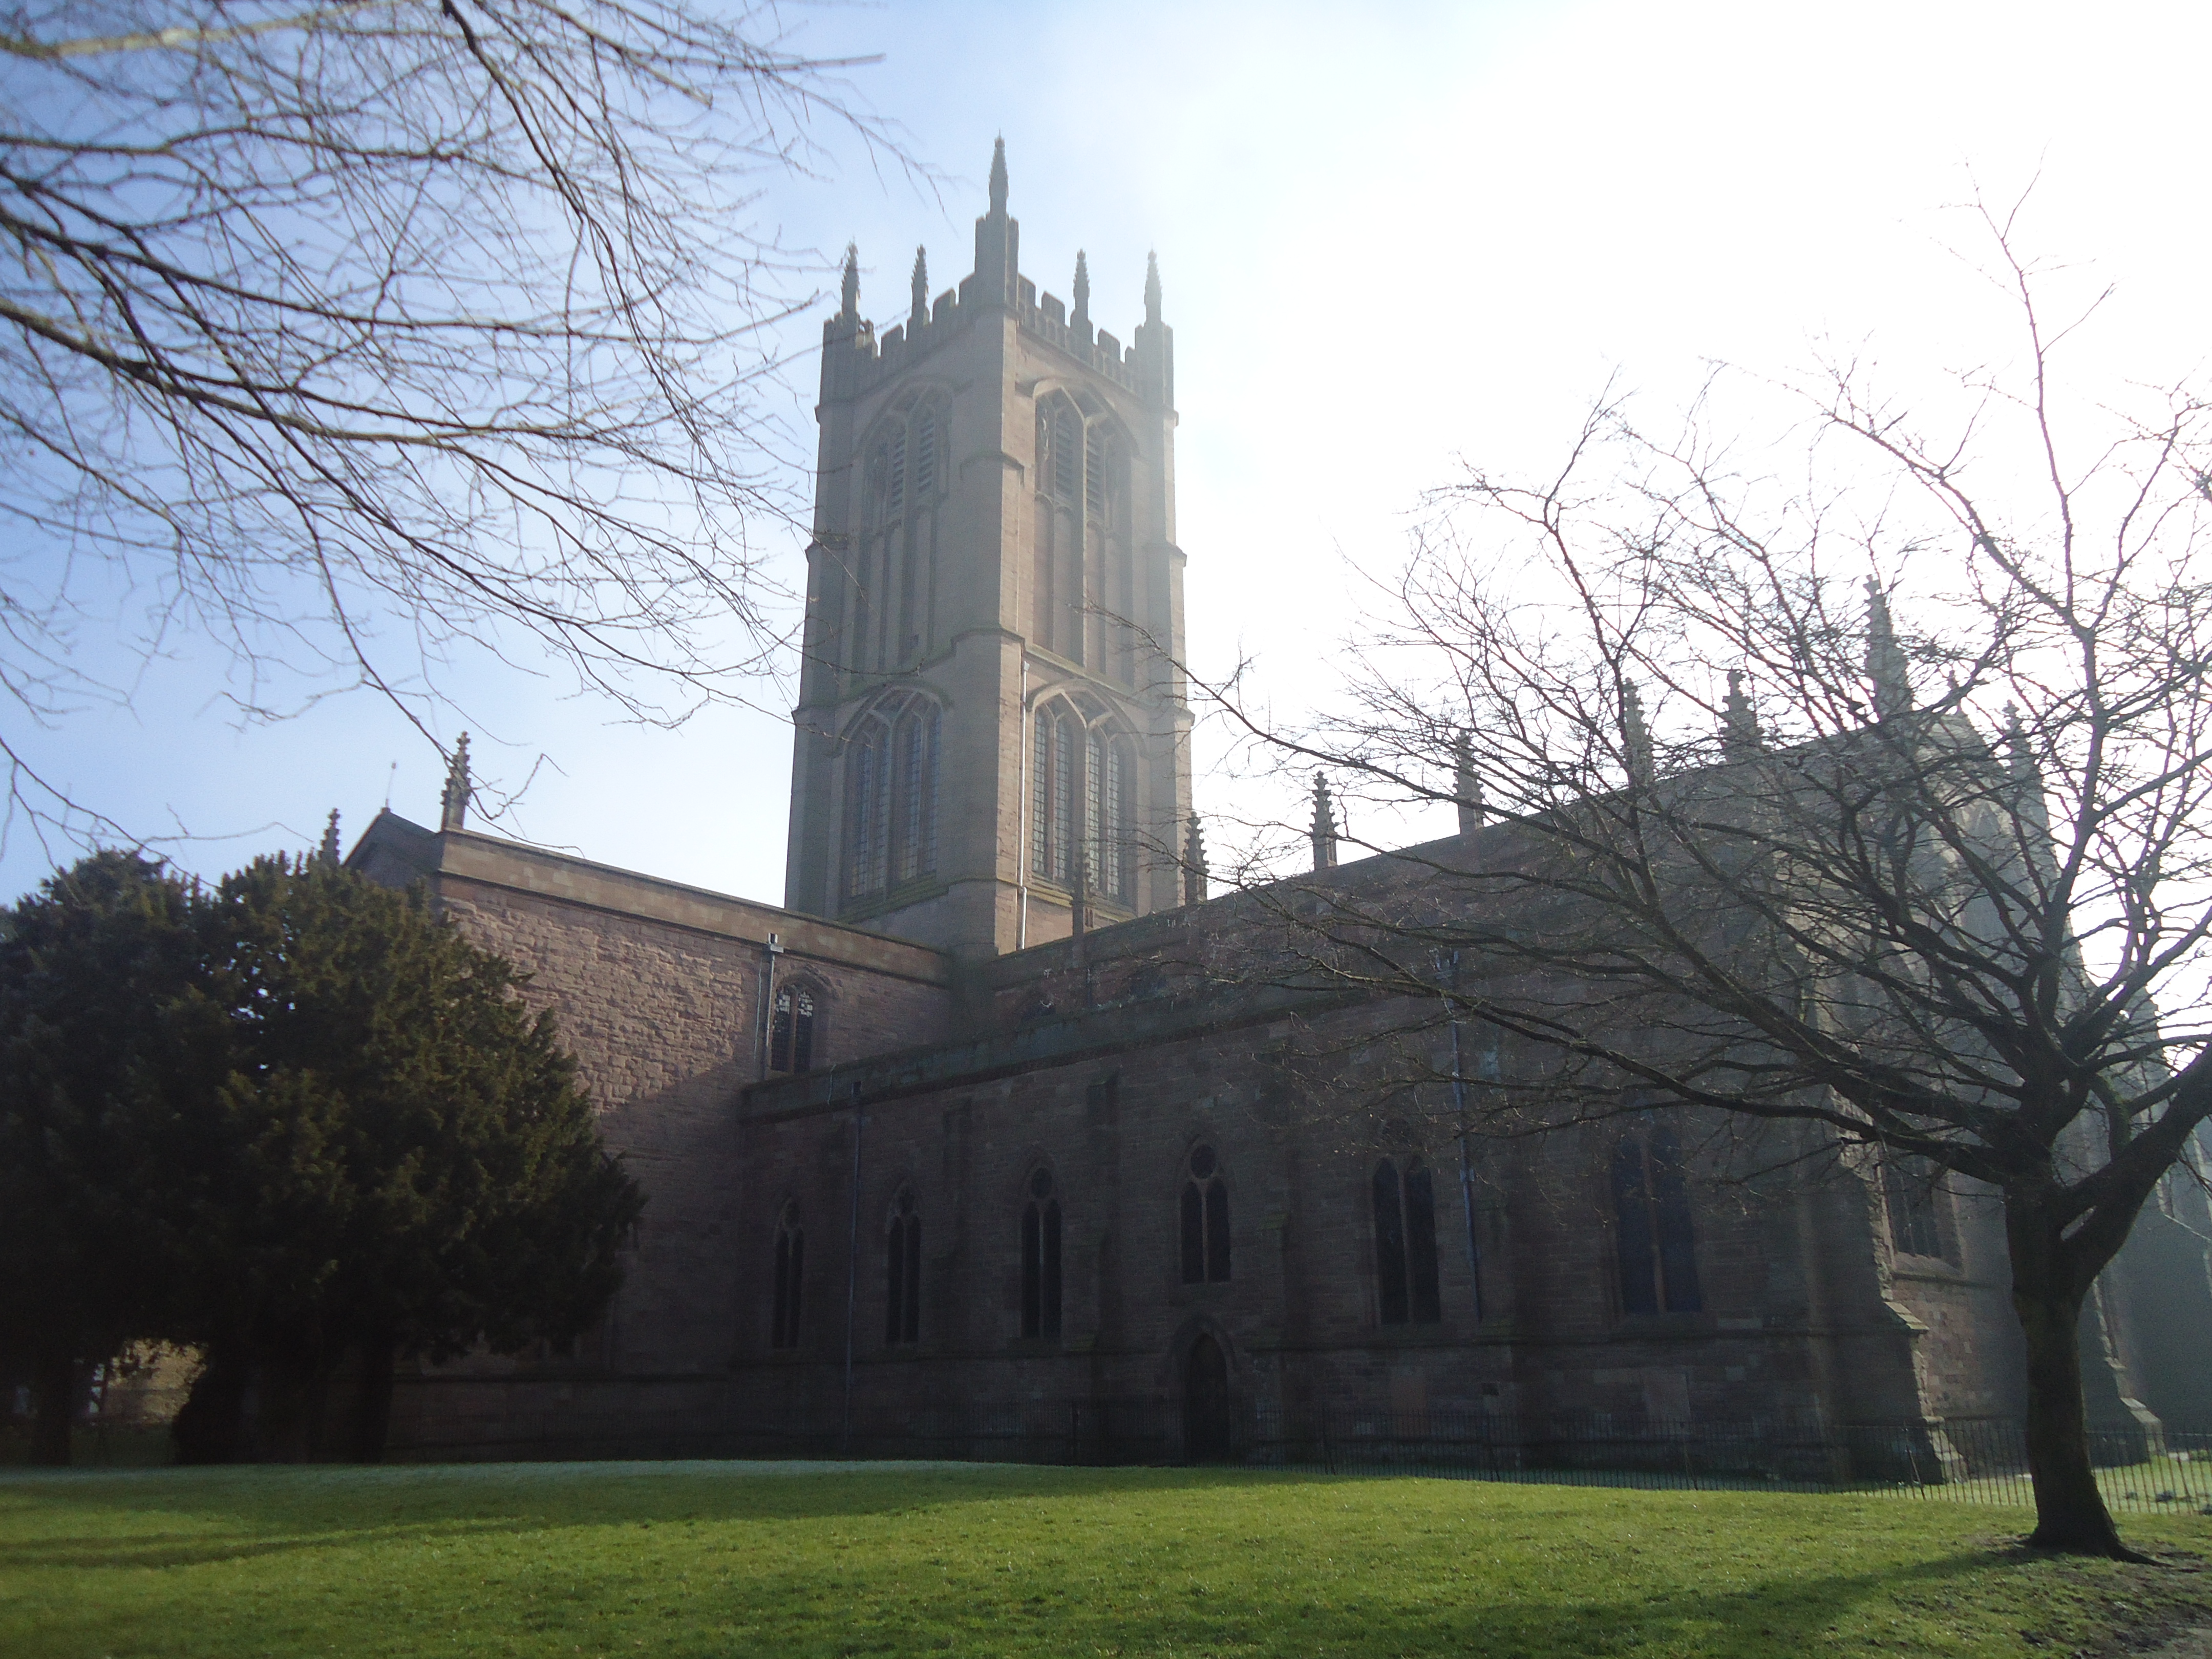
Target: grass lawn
x: 725, y: 1559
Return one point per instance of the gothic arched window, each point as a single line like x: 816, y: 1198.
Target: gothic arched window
x: 791, y: 1031
x: 891, y: 766
x: 1406, y: 1243
x: 902, y: 1272
x: 1041, y: 1258
x: 790, y: 1274
x: 1651, y: 1223
x: 1204, y: 1220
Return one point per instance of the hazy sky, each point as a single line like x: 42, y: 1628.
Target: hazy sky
x: 1390, y: 238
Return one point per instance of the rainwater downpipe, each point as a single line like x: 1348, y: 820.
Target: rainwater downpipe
x: 852, y: 1270
x: 1022, y: 816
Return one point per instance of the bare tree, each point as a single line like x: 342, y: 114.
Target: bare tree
x: 356, y: 335
x: 1937, y: 892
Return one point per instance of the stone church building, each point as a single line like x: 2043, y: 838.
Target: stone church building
x: 964, y: 1136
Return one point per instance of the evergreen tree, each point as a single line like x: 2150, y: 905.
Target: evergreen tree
x: 96, y: 1047
x: 402, y: 1162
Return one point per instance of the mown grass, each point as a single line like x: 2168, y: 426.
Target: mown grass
x: 735, y: 1559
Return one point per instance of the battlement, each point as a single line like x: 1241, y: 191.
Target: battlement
x: 858, y: 358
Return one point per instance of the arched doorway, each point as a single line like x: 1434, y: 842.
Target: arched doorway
x: 1206, y: 1435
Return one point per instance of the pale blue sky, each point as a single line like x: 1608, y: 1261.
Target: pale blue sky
x: 1390, y: 237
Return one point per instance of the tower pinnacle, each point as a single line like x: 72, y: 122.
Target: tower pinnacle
x: 327, y: 854
x: 1885, y: 659
x: 455, y: 804
x: 919, y: 314
x: 1738, y: 721
x: 849, y: 310
x: 998, y: 176
x: 1324, y: 825
x: 1152, y: 289
x: 1081, y: 321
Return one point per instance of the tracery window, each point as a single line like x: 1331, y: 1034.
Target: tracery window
x: 905, y: 463
x: 891, y: 768
x: 1651, y: 1223
x: 1071, y: 764
x: 790, y: 1275
x: 1041, y: 1258
x: 1406, y: 1243
x: 902, y: 1272
x: 1912, y: 1192
x: 1205, y: 1219
x: 1060, y: 449
x: 791, y: 1031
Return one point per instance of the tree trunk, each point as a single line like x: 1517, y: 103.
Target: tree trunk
x: 371, y: 1400
x: 211, y: 1426
x: 57, y: 1385
x: 2070, y: 1509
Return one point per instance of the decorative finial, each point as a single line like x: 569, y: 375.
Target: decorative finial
x: 1885, y: 666
x: 1152, y: 287
x: 999, y: 177
x: 1082, y: 323
x: 455, y: 814
x: 1324, y: 825
x: 920, y: 315
x: 1467, y: 788
x: 1635, y: 736
x: 1194, y: 863
x: 850, y: 310
x: 328, y: 854
x: 1739, y: 736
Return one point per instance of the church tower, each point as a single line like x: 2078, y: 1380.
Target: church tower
x: 992, y: 730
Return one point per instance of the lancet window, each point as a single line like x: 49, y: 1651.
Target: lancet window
x: 1205, y: 1216
x: 791, y: 1029
x: 1651, y: 1223
x: 891, y: 796
x: 790, y: 1275
x: 1080, y: 804
x: 903, y: 1271
x: 1912, y: 1191
x: 1041, y: 1258
x: 1406, y: 1243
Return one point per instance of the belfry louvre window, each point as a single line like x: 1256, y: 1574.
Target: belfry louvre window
x: 1651, y: 1225
x: 1040, y: 1258
x: 791, y: 1032
x: 1205, y: 1216
x: 892, y: 767
x: 902, y: 1272
x: 1086, y: 771
x: 790, y: 1275
x: 1406, y: 1243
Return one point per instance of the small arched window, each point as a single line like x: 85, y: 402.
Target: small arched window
x: 1041, y: 1258
x: 1406, y: 1243
x: 902, y: 1272
x: 1204, y: 1220
x: 791, y: 1032
x: 790, y: 1275
x: 1651, y: 1223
